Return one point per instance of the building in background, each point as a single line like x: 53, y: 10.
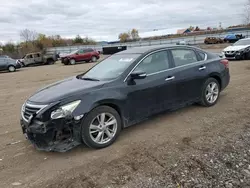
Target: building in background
x: 183, y: 31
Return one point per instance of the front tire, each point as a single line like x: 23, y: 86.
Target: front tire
x: 101, y: 127
x: 11, y: 68
x: 246, y: 56
x: 72, y: 61
x: 210, y: 92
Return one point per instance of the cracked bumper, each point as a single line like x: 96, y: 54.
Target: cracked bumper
x: 55, y: 135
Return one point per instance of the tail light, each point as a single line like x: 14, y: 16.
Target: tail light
x: 225, y: 62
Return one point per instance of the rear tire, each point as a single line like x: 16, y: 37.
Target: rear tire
x: 210, y: 92
x: 94, y: 59
x: 94, y: 125
x: 50, y: 61
x: 11, y: 68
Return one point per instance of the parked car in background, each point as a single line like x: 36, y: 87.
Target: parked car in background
x: 122, y: 90
x: 213, y: 40
x: 9, y: 64
x: 38, y: 58
x: 239, y: 50
x: 86, y: 55
x: 182, y: 42
x: 231, y: 38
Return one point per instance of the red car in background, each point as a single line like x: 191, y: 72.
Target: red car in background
x: 86, y: 55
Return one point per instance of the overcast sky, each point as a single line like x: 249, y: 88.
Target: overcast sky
x: 105, y: 19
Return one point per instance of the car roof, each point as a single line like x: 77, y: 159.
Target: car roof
x: 147, y: 49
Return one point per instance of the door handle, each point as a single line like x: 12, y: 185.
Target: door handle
x: 202, y: 68
x: 170, y: 78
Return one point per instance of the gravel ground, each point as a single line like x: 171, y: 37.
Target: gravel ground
x: 191, y: 147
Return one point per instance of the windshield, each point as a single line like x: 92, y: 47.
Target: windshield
x: 242, y: 42
x: 111, y: 68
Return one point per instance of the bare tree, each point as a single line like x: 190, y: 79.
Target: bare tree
x: 28, y: 35
x: 247, y: 13
x: 134, y: 34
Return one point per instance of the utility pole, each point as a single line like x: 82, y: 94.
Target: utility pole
x: 220, y: 25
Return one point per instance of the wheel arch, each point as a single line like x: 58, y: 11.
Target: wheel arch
x: 217, y: 77
x: 113, y: 104
x: 9, y: 65
x: 49, y: 59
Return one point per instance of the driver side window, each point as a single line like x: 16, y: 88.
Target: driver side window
x: 154, y: 63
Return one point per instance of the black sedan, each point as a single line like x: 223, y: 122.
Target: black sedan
x: 120, y: 91
x: 6, y: 63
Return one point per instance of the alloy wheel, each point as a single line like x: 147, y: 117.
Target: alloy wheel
x: 12, y: 68
x: 103, y: 128
x: 72, y: 62
x: 93, y: 59
x: 212, y: 92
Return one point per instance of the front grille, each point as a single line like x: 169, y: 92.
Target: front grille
x: 30, y: 110
x: 230, y: 55
x: 230, y: 52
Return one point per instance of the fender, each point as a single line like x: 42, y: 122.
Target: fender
x: 94, y: 99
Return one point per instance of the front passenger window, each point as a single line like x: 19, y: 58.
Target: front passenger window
x: 183, y: 57
x: 29, y: 56
x: 154, y: 63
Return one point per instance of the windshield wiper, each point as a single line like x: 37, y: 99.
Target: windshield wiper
x: 90, y: 79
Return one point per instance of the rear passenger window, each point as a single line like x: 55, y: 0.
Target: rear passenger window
x: 183, y: 57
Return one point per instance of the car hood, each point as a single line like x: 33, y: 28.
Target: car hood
x: 236, y: 48
x: 63, y: 89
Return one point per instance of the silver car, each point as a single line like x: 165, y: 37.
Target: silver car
x: 9, y: 64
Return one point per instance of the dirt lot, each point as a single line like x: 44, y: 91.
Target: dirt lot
x: 192, y: 147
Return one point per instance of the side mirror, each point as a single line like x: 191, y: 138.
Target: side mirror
x: 138, y: 75
x: 77, y: 54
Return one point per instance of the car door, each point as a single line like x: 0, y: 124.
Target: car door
x: 37, y: 58
x: 79, y: 55
x: 190, y: 74
x: 156, y: 92
x: 3, y: 64
x: 29, y: 59
x: 89, y: 53
x: 86, y: 54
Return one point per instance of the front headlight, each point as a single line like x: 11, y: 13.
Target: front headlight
x: 65, y: 110
x: 246, y: 49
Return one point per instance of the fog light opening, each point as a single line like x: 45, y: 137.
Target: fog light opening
x: 77, y: 118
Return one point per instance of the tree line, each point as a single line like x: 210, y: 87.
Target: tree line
x: 36, y: 42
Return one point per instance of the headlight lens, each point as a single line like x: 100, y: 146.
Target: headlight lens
x: 65, y: 110
x: 246, y: 49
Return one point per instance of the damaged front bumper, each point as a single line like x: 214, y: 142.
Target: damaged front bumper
x: 58, y: 135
